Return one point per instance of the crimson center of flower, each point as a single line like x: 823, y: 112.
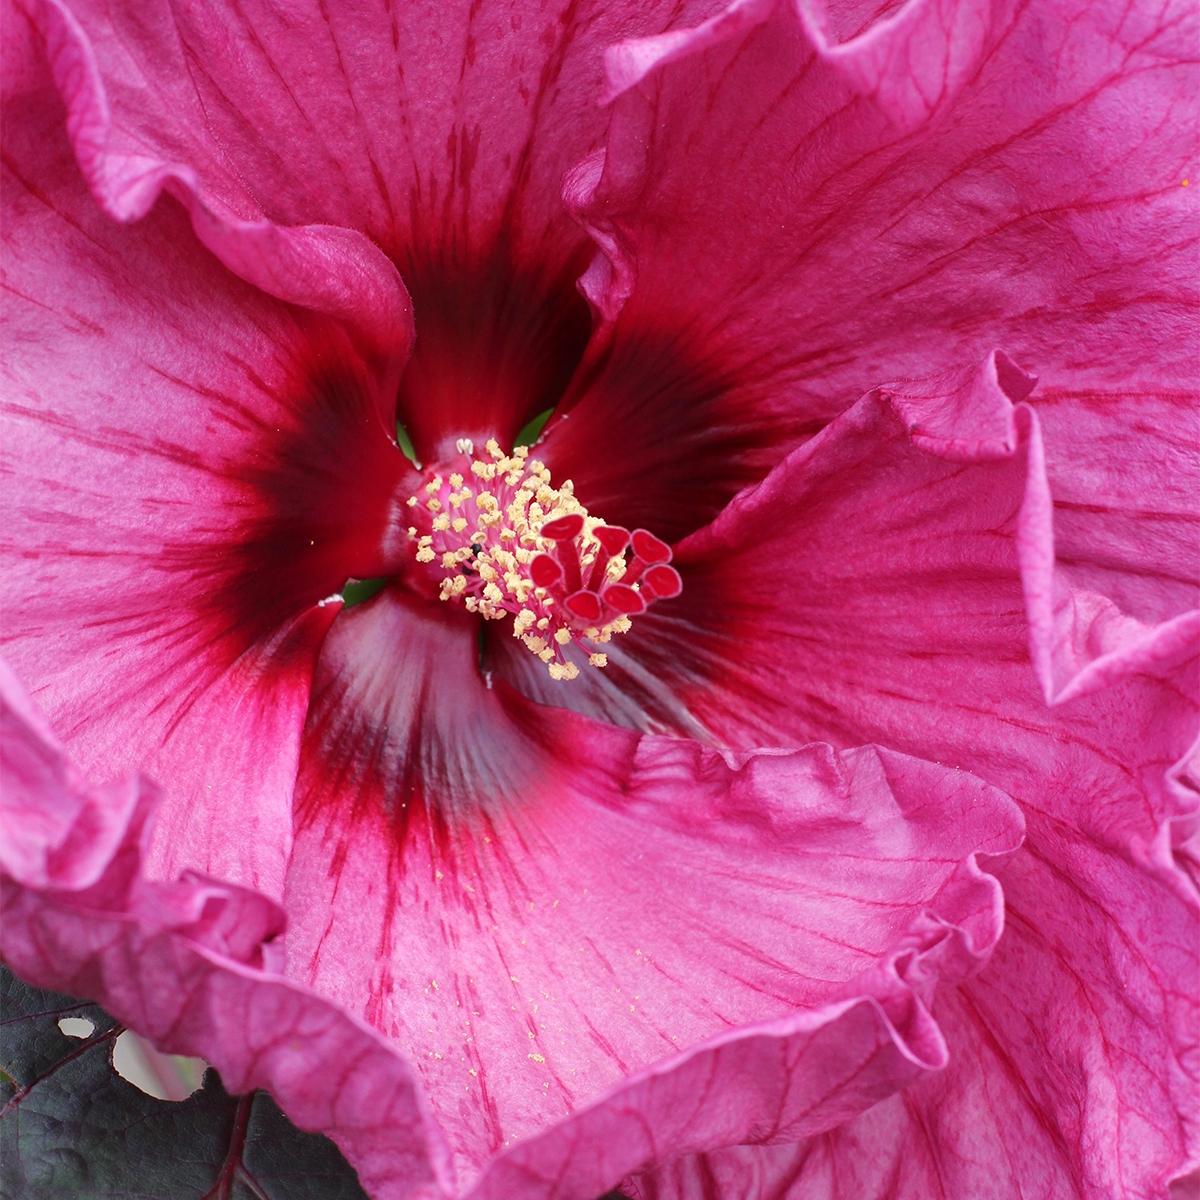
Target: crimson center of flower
x: 500, y: 538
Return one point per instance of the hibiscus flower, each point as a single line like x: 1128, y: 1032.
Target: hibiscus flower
x: 774, y: 781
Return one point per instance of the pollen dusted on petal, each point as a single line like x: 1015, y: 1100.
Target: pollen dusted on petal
x: 501, y: 539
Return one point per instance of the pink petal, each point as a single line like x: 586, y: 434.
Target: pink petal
x: 917, y: 528
x: 1072, y: 1054
x: 439, y: 133
x: 510, y: 894
x: 191, y: 469
x: 1123, y: 472
x: 188, y: 963
x: 793, y: 205
x: 920, y: 604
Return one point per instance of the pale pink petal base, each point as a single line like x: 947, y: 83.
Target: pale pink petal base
x: 571, y: 930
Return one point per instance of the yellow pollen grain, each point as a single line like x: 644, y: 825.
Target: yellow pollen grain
x: 598, y: 660
x: 458, y: 524
x: 456, y: 481
x: 562, y: 636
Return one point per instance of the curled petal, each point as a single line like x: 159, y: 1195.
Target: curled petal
x: 337, y: 271
x: 932, y: 614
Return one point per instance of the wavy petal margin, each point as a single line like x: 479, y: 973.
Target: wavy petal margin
x: 777, y: 1082
x: 935, y: 616
x: 1079, y: 640
x: 190, y: 965
x: 812, y: 199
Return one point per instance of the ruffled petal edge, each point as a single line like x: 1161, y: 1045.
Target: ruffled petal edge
x: 189, y: 965
x: 667, y: 1110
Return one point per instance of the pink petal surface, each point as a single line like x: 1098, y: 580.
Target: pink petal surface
x: 922, y: 521
x: 926, y: 601
x: 1072, y: 1055
x: 794, y: 204
x: 549, y: 909
x: 1123, y: 473
x: 190, y: 469
x: 189, y: 963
